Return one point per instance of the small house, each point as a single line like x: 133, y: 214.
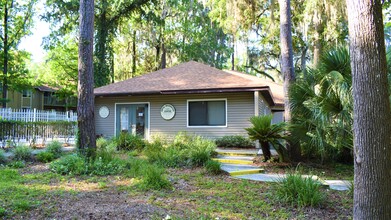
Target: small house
x: 191, y: 97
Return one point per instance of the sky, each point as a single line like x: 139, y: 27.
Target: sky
x: 33, y: 42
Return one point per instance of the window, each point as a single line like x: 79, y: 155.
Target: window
x: 27, y: 93
x: 207, y: 113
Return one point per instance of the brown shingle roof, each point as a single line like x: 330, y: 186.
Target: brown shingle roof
x: 191, y: 77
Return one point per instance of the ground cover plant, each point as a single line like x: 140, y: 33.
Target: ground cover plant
x: 22, y: 152
x: 233, y: 141
x: 34, y: 192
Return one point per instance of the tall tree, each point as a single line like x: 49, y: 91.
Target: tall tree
x: 287, y: 68
x: 371, y: 110
x: 85, y: 105
x: 16, y: 22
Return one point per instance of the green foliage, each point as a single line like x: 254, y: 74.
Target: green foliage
x: 300, y: 191
x: 22, y: 152
x: 234, y: 141
x: 267, y: 133
x: 54, y: 148
x: 213, y: 167
x: 17, y: 164
x: 152, y: 176
x: 184, y: 150
x: 72, y: 164
x: 322, y: 108
x: 127, y: 141
x: 3, y: 160
x: 45, y: 156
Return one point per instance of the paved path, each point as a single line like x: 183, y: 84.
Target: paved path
x: 252, y: 172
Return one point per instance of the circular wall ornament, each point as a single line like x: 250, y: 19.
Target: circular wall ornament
x: 104, y: 112
x: 167, y: 111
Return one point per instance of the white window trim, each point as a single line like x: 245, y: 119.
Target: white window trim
x: 148, y: 135
x: 207, y: 126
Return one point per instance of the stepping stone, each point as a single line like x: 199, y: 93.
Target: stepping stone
x: 339, y: 185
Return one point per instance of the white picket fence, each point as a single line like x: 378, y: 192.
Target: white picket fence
x: 33, y: 115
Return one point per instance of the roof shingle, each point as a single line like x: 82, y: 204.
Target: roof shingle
x: 190, y: 77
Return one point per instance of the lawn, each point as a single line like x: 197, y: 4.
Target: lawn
x: 34, y: 192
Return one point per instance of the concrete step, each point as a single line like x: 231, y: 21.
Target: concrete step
x: 249, y: 158
x: 233, y: 161
x: 244, y: 152
x: 237, y: 169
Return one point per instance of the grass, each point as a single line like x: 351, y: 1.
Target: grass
x: 193, y: 194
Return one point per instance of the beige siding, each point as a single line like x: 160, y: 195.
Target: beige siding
x: 240, y: 107
x: 263, y: 106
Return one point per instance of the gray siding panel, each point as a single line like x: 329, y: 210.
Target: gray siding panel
x: 240, y: 107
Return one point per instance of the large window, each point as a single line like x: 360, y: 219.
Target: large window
x: 207, y: 113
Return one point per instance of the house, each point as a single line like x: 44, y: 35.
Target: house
x: 191, y: 97
x: 39, y: 97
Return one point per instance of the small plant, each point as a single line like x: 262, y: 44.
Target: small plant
x: 69, y: 164
x: 200, y: 151
x: 234, y: 141
x: 3, y: 212
x: 101, y: 142
x: 298, y: 190
x: 16, y: 164
x: 45, y: 156
x: 22, y: 152
x: 127, y: 141
x: 55, y: 148
x: 213, y: 167
x: 3, y: 160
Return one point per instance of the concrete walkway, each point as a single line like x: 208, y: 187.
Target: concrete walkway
x: 240, y: 168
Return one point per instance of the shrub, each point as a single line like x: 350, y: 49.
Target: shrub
x: 297, y: 190
x: 45, y: 156
x: 3, y: 160
x: 213, y: 167
x: 16, y: 164
x: 185, y: 150
x: 101, y: 142
x: 151, y: 175
x: 127, y: 141
x: 234, y: 141
x: 70, y: 164
x: 101, y: 167
x: 55, y: 148
x: 22, y: 152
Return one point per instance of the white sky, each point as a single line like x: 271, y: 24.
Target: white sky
x: 33, y: 43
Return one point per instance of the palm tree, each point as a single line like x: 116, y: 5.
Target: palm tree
x: 322, y: 106
x: 267, y: 133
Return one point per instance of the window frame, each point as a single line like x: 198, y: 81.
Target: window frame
x: 207, y: 126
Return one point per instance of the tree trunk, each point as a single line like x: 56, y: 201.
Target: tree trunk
x: 5, y: 58
x: 164, y: 54
x: 266, y: 151
x: 233, y: 53
x: 134, y: 54
x: 371, y: 111
x: 287, y: 68
x: 85, y: 107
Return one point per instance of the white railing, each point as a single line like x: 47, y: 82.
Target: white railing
x: 32, y: 115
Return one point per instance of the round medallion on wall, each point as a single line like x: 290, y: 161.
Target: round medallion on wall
x: 104, y: 112
x: 167, y: 111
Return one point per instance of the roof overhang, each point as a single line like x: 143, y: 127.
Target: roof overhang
x: 265, y: 91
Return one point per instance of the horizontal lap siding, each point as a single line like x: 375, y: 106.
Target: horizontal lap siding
x: 240, y: 109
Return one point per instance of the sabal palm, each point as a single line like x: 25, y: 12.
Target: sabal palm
x: 322, y: 106
x: 267, y: 133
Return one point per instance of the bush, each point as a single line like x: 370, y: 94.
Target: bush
x: 234, y: 141
x: 185, y: 150
x: 22, y: 152
x: 296, y: 190
x: 127, y: 141
x: 213, y: 167
x: 151, y: 175
x: 101, y: 167
x: 70, y: 164
x: 3, y: 160
x: 16, y: 164
x: 55, y: 148
x: 45, y: 156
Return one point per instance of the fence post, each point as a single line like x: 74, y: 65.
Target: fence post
x: 35, y: 115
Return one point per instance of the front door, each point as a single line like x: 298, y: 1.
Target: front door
x: 132, y: 118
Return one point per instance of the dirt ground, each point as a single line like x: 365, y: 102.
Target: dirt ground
x: 193, y: 196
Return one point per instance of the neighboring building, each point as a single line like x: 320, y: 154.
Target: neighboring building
x: 41, y: 98
x: 190, y: 97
